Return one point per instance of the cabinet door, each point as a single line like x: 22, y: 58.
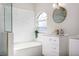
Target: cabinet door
x: 45, y: 44
x: 74, y: 47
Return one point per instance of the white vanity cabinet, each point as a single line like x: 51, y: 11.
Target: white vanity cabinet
x: 54, y: 45
x: 74, y: 47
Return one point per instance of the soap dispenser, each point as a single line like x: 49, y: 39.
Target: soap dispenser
x: 61, y: 32
x: 57, y: 31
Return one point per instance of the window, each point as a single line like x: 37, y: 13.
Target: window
x: 42, y: 23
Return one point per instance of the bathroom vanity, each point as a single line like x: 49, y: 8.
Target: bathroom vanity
x: 74, y: 46
x: 53, y: 45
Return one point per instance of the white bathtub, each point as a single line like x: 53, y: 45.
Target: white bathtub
x: 28, y: 49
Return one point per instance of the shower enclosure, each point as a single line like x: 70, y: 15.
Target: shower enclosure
x: 5, y: 28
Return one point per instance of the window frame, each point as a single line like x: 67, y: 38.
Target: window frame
x: 40, y: 28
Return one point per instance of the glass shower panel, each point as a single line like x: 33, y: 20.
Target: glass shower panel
x: 8, y: 17
x: 2, y: 48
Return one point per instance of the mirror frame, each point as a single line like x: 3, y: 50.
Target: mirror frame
x: 55, y: 15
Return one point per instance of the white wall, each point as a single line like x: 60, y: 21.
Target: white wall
x: 71, y: 23
x: 23, y: 22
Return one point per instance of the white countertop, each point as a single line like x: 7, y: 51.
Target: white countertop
x: 54, y: 35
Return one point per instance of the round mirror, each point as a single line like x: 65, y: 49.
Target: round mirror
x: 59, y: 14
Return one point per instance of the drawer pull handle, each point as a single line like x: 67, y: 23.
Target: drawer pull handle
x: 50, y: 39
x: 54, y: 40
x: 54, y: 48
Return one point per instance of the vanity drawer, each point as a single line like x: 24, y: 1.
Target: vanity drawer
x: 53, y: 53
x: 54, y: 40
x: 54, y: 48
x: 50, y: 51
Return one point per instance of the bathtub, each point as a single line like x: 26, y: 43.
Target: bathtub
x: 33, y: 48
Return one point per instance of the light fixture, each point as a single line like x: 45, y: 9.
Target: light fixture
x: 61, y: 4
x: 57, y: 5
